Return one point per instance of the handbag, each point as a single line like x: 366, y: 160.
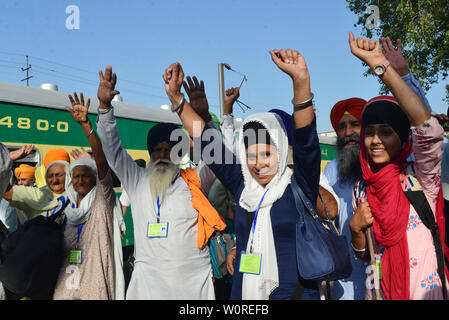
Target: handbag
x: 31, y: 258
x: 220, y: 244
x: 322, y: 253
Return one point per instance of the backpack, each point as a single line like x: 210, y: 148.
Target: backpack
x: 31, y: 257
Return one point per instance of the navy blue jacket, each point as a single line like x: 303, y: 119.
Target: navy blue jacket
x: 307, y: 159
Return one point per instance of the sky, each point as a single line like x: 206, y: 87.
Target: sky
x: 141, y: 38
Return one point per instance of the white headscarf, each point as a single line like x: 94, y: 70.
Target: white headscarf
x: 76, y: 216
x: 259, y: 287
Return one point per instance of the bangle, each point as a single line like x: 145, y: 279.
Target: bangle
x: 91, y: 131
x: 180, y: 104
x: 357, y: 250
x: 301, y: 104
x: 103, y: 111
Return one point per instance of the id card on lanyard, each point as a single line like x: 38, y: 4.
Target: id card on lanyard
x: 159, y: 229
x: 76, y: 255
x: 251, y: 262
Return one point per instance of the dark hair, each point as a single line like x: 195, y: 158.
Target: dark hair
x: 254, y: 133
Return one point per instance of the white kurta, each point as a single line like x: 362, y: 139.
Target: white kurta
x: 165, y: 268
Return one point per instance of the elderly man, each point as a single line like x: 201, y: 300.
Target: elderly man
x: 169, y: 262
x: 343, y: 171
x: 25, y: 175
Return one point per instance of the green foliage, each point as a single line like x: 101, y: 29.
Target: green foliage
x: 423, y: 27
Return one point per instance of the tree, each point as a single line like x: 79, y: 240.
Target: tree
x: 423, y: 27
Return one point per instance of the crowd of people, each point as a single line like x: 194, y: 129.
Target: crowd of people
x: 223, y: 224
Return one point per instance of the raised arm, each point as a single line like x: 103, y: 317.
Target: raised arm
x: 399, y: 64
x: 294, y: 65
x: 191, y: 118
x: 370, y: 52
x: 231, y: 97
x: 79, y: 112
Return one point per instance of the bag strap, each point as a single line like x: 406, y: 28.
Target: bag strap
x: 301, y: 199
x: 324, y: 206
x: 422, y: 207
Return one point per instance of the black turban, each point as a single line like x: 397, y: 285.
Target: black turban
x: 160, y: 133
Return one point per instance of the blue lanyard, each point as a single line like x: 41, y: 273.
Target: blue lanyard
x: 253, y: 228
x: 158, y: 210
x: 80, y: 228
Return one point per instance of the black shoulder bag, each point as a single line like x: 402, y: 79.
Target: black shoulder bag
x: 31, y: 258
x: 322, y: 253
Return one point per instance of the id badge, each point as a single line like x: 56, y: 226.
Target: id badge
x: 379, y: 267
x: 76, y: 256
x: 250, y: 263
x: 157, y: 230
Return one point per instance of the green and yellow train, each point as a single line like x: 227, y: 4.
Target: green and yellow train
x: 37, y: 116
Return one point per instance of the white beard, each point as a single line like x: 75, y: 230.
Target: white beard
x: 160, y: 177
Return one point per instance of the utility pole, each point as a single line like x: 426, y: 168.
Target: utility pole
x: 221, y: 87
x: 27, y: 70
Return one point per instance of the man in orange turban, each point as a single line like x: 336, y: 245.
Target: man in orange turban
x: 342, y: 110
x: 342, y: 172
x: 56, y: 155
x: 25, y: 175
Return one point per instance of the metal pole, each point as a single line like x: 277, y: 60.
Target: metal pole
x: 221, y: 88
x: 27, y: 70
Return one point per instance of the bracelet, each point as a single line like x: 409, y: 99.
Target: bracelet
x: 357, y: 250
x: 301, y: 104
x: 104, y: 111
x: 91, y: 131
x: 181, y: 103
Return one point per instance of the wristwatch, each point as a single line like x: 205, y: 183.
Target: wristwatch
x: 380, y: 69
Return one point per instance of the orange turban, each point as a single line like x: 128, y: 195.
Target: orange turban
x: 25, y: 171
x: 354, y: 106
x: 56, y: 154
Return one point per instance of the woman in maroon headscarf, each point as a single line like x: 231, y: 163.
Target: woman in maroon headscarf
x: 402, y: 248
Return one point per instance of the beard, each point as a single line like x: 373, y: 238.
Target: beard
x: 349, y: 159
x: 161, y: 176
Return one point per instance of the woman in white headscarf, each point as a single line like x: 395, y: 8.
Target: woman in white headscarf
x: 89, y: 270
x: 265, y: 217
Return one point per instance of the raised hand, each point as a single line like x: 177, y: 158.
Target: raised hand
x: 173, y: 79
x: 369, y: 51
x: 395, y: 57
x: 197, y: 96
x: 106, y: 88
x: 291, y: 62
x: 22, y: 152
x: 231, y: 97
x: 79, y: 110
x: 80, y: 154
